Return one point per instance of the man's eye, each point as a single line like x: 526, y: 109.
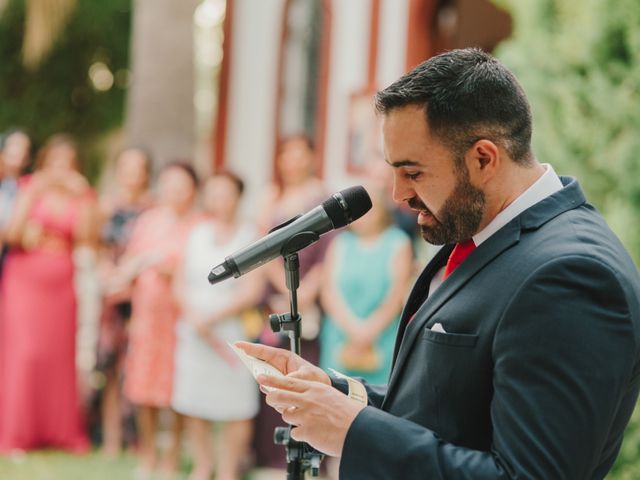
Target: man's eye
x: 412, y: 176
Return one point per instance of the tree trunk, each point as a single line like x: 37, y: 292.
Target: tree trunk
x: 160, y: 111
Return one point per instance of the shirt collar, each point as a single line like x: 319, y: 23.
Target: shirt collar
x: 546, y: 185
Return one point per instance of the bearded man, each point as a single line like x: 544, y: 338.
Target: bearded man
x: 518, y: 352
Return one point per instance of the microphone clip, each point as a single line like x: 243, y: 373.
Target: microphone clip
x: 285, y: 322
x: 298, y: 242
x: 285, y: 223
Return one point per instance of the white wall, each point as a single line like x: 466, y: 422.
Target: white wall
x: 348, y: 70
x: 347, y: 74
x: 254, y: 84
x: 392, y: 41
x: 252, y: 98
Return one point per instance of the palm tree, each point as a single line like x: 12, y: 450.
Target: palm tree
x: 160, y: 111
x: 44, y: 21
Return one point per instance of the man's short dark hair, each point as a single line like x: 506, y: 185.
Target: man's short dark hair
x: 467, y: 95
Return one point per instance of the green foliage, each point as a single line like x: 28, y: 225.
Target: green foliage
x: 59, y: 95
x: 627, y: 466
x: 579, y: 63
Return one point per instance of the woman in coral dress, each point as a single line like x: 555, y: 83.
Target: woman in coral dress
x: 152, y: 255
x: 40, y: 403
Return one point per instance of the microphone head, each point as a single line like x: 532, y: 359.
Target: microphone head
x: 347, y: 205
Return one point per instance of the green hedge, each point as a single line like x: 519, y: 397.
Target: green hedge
x: 580, y: 65
x: 579, y: 62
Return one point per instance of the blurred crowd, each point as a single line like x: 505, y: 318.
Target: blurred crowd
x: 163, y: 367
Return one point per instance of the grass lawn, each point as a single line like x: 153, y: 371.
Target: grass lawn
x: 52, y: 465
x: 56, y: 465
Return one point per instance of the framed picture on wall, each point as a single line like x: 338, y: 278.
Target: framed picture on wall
x: 364, y: 140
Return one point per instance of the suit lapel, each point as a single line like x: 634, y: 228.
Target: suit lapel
x: 420, y: 292
x: 478, y: 259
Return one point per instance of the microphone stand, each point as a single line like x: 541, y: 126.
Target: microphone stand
x: 300, y: 456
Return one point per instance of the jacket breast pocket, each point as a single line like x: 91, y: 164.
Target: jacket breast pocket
x: 467, y: 340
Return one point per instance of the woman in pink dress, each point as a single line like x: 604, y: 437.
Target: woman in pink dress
x: 54, y: 211
x: 150, y: 261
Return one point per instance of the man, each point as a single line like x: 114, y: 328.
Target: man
x: 522, y: 362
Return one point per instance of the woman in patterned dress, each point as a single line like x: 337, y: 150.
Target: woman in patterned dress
x: 150, y: 261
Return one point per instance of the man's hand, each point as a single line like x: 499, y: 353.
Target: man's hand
x: 320, y: 414
x: 287, y: 362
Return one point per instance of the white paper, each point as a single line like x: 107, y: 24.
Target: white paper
x: 257, y: 366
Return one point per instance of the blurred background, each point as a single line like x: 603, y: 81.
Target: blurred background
x: 223, y: 85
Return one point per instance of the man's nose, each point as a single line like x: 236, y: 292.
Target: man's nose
x: 401, y: 190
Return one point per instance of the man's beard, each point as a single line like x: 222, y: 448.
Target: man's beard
x: 459, y: 217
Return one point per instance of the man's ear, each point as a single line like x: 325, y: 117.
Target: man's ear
x: 483, y: 160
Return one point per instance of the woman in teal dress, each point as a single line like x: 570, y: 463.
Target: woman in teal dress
x: 367, y: 272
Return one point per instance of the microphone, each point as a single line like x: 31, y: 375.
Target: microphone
x: 339, y: 210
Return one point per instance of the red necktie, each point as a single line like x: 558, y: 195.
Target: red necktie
x: 458, y: 254
x: 456, y: 257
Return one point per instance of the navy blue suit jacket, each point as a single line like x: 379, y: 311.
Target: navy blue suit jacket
x: 538, y: 371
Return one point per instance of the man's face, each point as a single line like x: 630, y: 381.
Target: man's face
x: 430, y: 179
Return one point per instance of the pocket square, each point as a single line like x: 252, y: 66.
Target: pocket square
x: 437, y: 327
